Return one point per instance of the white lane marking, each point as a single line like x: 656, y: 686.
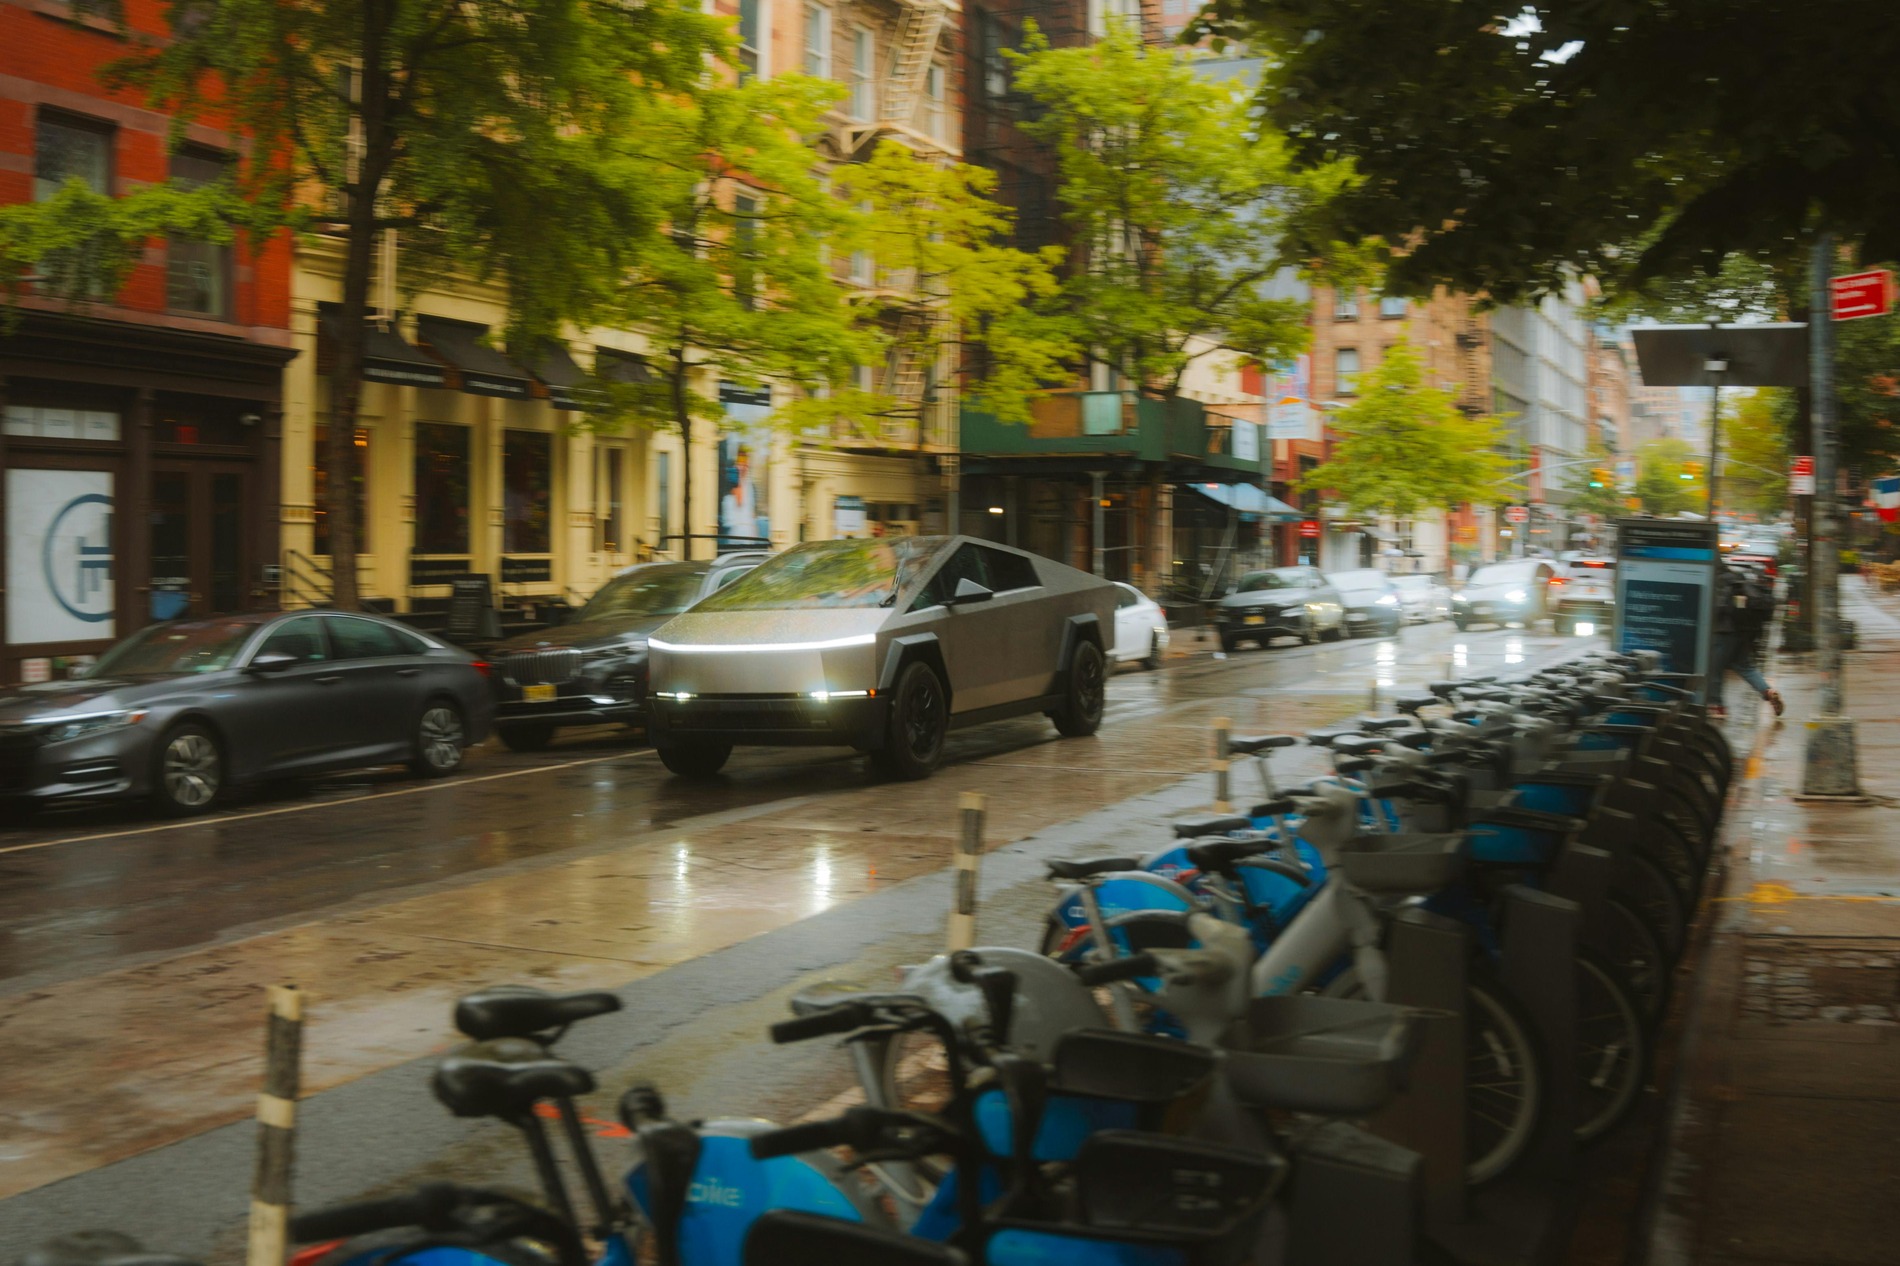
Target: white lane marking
x: 328, y: 804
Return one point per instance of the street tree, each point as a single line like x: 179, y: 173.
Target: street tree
x: 1404, y: 447
x: 489, y: 139
x: 1180, y: 205
x: 1663, y: 484
x: 1755, y: 446
x: 1625, y: 141
x: 750, y: 278
x: 1591, y: 489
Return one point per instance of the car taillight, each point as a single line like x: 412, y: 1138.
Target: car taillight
x: 483, y: 667
x: 1556, y: 580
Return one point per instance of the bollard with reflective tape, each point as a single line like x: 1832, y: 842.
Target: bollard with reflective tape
x: 969, y: 855
x: 276, y: 1127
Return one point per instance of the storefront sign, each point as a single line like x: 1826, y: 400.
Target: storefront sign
x: 60, y: 575
x: 1309, y: 529
x: 847, y: 517
x: 1665, y: 592
x: 1246, y: 441
x: 436, y: 571
x: 526, y: 571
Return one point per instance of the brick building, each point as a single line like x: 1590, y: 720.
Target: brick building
x: 141, y: 429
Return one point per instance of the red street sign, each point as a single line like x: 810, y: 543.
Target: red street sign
x: 1309, y: 528
x: 1801, y: 477
x: 1867, y: 294
x: 1517, y: 514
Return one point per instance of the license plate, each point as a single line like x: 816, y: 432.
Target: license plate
x: 1256, y: 619
x: 538, y: 694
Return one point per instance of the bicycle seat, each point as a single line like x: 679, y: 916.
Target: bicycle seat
x: 1083, y: 867
x: 789, y: 1237
x: 1210, y: 824
x: 523, y: 1011
x: 1358, y: 745
x: 1412, y: 703
x: 1382, y: 724
x: 1327, y: 737
x: 1252, y: 743
x: 1442, y: 689
x: 1417, y: 740
x: 485, y: 1088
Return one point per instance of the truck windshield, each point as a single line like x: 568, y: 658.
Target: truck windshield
x: 853, y: 573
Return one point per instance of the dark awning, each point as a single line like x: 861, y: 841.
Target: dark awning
x: 483, y: 370
x: 386, y: 356
x: 557, y: 371
x: 1249, y: 499
x: 617, y: 366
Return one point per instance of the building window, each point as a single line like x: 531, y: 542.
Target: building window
x: 863, y: 265
x: 527, y: 465
x: 933, y: 103
x: 71, y: 148
x: 320, y: 487
x: 1391, y: 308
x: 197, y: 274
x: 1345, y: 307
x: 995, y: 76
x: 1346, y: 371
x: 442, y: 488
x: 818, y: 41
x: 610, y: 482
x: 863, y: 74
x: 748, y: 39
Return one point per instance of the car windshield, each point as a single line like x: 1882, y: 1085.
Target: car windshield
x: 1254, y: 581
x: 1358, y: 581
x: 1504, y: 573
x: 167, y: 649
x: 854, y: 573
x: 664, y: 590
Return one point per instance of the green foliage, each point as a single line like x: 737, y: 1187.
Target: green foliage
x: 1755, y: 444
x: 1404, y: 447
x: 1620, y: 140
x: 1660, y: 466
x: 1867, y: 387
x: 1180, y: 204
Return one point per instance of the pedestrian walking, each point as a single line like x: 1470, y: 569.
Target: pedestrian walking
x: 1744, y: 608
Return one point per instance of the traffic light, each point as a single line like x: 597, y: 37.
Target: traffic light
x: 1692, y: 470
x: 1599, y: 477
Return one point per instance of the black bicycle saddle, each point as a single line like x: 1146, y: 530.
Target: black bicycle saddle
x: 524, y: 1011
x: 487, y: 1088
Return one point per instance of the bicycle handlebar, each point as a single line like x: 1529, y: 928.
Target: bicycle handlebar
x: 1117, y: 969
x: 812, y: 1136
x: 839, y: 1019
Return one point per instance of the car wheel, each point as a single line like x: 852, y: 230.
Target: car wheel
x: 440, y: 738
x: 1083, y: 694
x: 1152, y: 660
x: 189, y: 773
x: 920, y: 718
x: 525, y: 738
x: 1462, y: 624
x: 695, y: 757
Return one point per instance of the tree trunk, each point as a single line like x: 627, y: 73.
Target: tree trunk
x: 346, y: 390
x: 683, y: 416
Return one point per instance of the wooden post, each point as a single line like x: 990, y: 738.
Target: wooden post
x: 1223, y: 731
x: 969, y: 857
x: 276, y: 1128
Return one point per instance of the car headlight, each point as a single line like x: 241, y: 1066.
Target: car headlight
x: 1459, y: 600
x: 1387, y: 600
x: 66, y: 729
x: 1516, y: 595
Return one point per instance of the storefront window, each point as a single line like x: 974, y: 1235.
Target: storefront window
x: 611, y: 465
x: 320, y: 487
x: 442, y: 488
x: 527, y: 483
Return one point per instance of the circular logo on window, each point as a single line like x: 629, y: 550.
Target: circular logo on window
x: 77, y: 558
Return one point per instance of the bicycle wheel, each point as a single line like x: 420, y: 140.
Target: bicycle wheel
x: 1613, y: 1048
x: 1635, y: 949
x: 1645, y: 886
x: 1504, y: 1080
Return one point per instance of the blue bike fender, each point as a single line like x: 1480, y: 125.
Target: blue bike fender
x: 1066, y: 1121
x: 1020, y: 1246
x: 730, y: 1190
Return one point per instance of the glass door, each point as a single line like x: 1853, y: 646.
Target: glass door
x: 197, y: 540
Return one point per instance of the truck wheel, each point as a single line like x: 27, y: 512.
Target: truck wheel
x: 920, y: 718
x: 695, y: 757
x: 1081, y: 711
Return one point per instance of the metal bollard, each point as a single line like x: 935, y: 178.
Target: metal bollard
x: 969, y: 857
x: 1223, y: 732
x: 276, y: 1128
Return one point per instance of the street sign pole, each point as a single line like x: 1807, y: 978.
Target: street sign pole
x: 1831, y: 767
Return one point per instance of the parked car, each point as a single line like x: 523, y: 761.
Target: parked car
x: 593, y: 669
x: 1423, y: 597
x: 1584, y: 594
x: 884, y: 645
x: 1280, y: 602
x: 182, y: 712
x: 1515, y: 591
x: 1141, y: 628
x: 1371, y: 601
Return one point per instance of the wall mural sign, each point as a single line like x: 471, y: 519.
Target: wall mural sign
x: 60, y: 565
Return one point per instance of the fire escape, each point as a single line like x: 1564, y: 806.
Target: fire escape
x: 913, y: 48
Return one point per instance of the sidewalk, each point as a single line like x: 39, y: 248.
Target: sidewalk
x: 1784, y: 1134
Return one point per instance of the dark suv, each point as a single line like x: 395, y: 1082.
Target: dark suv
x: 593, y: 669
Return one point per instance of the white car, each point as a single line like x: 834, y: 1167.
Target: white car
x: 1423, y: 597
x: 1141, y: 627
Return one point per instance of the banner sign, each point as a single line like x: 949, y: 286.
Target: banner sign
x: 60, y: 564
x: 1290, y: 411
x: 1801, y: 477
x: 1665, y: 592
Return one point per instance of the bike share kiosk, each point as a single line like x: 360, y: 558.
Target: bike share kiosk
x: 1665, y: 594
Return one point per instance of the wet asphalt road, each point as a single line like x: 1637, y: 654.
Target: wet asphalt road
x: 133, y: 952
